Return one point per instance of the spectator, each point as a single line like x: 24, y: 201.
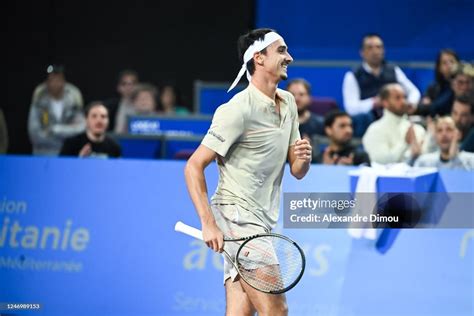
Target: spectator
x: 55, y: 113
x: 439, y: 96
x: 169, y: 101
x: 448, y: 155
x: 120, y: 108
x: 338, y: 128
x: 3, y: 133
x: 464, y: 120
x: 310, y: 123
x: 93, y: 142
x: 393, y: 138
x: 462, y: 81
x: 360, y: 86
x: 144, y: 102
x: 144, y: 99
x: 463, y: 117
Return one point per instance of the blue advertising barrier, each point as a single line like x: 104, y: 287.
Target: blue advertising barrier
x: 95, y: 237
x: 158, y: 146
x: 168, y: 125
x: 140, y: 146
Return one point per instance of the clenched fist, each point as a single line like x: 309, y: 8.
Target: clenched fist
x: 303, y: 150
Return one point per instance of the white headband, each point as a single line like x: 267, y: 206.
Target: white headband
x: 254, y: 48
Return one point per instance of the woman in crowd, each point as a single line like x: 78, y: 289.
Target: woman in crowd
x: 439, y: 96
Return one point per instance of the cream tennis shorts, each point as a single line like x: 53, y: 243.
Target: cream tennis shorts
x: 235, y: 222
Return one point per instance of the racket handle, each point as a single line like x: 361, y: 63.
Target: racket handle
x: 188, y: 230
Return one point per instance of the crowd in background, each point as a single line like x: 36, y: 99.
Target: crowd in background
x: 59, y: 123
x: 386, y: 118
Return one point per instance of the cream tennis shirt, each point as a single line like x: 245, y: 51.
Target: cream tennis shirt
x: 252, y: 141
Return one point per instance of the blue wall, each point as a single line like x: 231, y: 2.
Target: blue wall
x: 118, y: 254
x: 412, y: 30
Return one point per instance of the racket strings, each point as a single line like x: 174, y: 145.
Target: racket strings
x: 270, y: 263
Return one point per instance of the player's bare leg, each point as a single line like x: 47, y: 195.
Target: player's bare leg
x: 266, y: 304
x: 238, y: 302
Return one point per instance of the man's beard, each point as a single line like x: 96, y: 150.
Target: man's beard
x: 342, y: 143
x: 98, y: 134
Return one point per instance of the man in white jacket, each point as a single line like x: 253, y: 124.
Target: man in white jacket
x: 393, y: 138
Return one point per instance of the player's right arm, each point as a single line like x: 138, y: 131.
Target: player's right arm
x: 197, y: 188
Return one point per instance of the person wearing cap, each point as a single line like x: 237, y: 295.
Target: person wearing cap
x: 251, y: 136
x: 55, y: 113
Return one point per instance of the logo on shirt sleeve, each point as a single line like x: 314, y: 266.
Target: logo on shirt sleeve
x: 219, y: 137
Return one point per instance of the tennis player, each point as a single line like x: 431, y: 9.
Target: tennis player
x: 251, y: 136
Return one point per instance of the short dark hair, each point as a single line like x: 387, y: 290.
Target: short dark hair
x: 127, y: 72
x: 366, y: 36
x: 92, y: 105
x: 248, y: 39
x: 466, y: 100
x: 302, y: 81
x: 331, y: 117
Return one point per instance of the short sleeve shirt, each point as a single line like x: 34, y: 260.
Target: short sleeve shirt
x: 252, y: 141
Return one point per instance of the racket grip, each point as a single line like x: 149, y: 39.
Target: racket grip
x: 188, y: 230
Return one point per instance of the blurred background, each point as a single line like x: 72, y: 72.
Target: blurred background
x: 180, y: 42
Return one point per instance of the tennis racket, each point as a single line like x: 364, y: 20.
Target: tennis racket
x: 270, y: 263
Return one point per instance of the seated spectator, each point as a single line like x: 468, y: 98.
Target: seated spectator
x: 462, y: 82
x: 340, y: 151
x: 463, y: 117
x: 439, y: 96
x: 310, y: 123
x: 3, y: 133
x: 361, y: 85
x: 55, y: 113
x: 393, y: 138
x: 121, y: 106
x: 144, y: 99
x: 93, y: 142
x: 448, y: 155
x: 169, y: 101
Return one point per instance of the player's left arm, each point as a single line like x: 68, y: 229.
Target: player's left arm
x: 299, y: 157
